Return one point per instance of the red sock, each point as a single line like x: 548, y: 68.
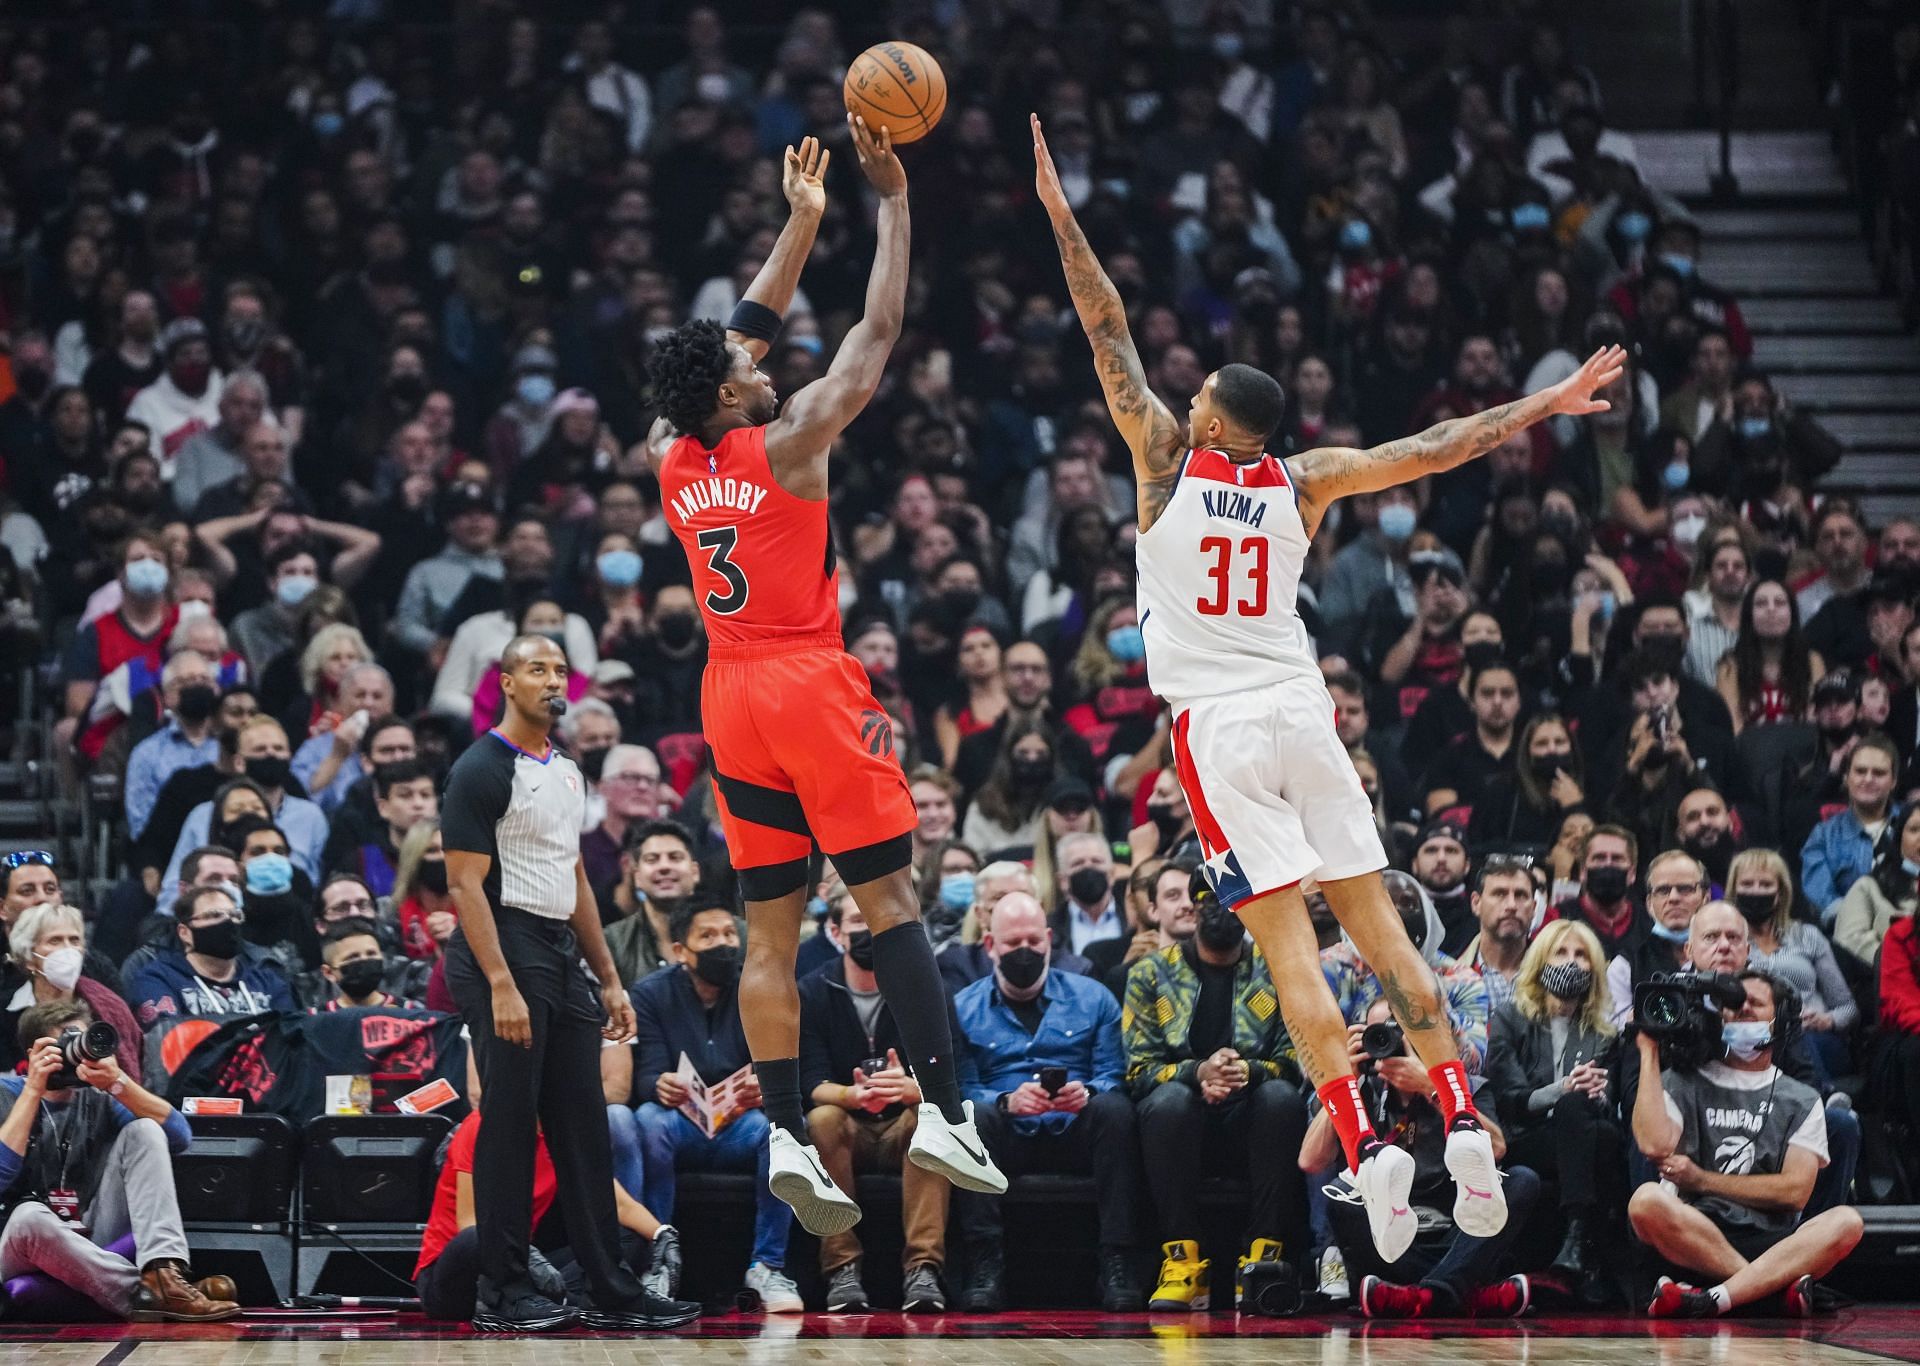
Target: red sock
x: 1341, y: 1096
x: 1454, y: 1096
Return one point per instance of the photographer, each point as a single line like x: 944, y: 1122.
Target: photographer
x: 86, y: 1159
x: 1433, y: 1278
x: 1738, y: 1145
x: 1552, y: 1064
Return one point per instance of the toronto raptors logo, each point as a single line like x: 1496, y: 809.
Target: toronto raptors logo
x: 876, y: 728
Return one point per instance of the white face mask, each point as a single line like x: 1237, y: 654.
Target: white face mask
x: 61, y: 968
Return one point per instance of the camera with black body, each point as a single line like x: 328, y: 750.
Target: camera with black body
x: 1272, y: 1288
x: 1682, y: 1011
x: 1383, y: 1039
x: 82, y: 1043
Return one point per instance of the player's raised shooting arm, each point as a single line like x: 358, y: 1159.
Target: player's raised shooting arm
x: 1151, y: 432
x: 803, y: 180
x: 808, y: 423
x: 1328, y: 473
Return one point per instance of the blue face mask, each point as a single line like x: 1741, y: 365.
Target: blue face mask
x: 1531, y: 217
x: 1634, y: 226
x: 1357, y: 235
x: 536, y: 391
x: 1660, y: 931
x: 294, y: 589
x: 817, y: 908
x: 270, y: 875
x: 1680, y: 265
x: 1608, y: 605
x: 1397, y: 521
x: 1746, y: 1039
x: 619, y: 568
x: 1675, y: 475
x: 328, y: 124
x: 1753, y: 428
x: 146, y: 578
x: 956, y: 891
x: 1909, y: 867
x: 1126, y: 644
x: 812, y: 345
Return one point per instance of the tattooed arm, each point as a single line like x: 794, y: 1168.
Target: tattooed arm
x: 1150, y: 431
x: 1332, y: 472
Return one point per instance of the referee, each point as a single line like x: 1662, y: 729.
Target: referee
x: 511, y: 825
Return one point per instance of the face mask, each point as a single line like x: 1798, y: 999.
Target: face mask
x: 718, y: 966
x: 860, y: 949
x: 593, y: 762
x: 295, y: 589
x: 1678, y: 264
x: 1909, y: 867
x: 1126, y: 644
x: 619, y: 568
x: 1397, y: 521
x: 1753, y: 428
x: 361, y: 978
x: 270, y: 874
x: 407, y: 387
x: 1228, y: 46
x: 432, y: 875
x: 1757, y: 907
x: 942, y: 921
x: 1675, y: 476
x: 1547, y: 578
x: 956, y: 891
x: 1531, y: 217
x: 191, y: 378
x: 61, y: 968
x: 1688, y: 530
x: 1356, y: 235
x: 536, y: 391
x: 1634, y: 226
x: 1672, y: 936
x: 1022, y: 967
x: 1545, y: 766
x: 1568, y: 981
x: 268, y: 770
x: 193, y: 609
x: 675, y: 630
x: 1031, y: 772
x: 1220, y: 929
x: 1165, y: 823
x: 217, y: 941
x: 196, y: 703
x: 146, y: 578
x: 1482, y: 654
x: 1606, y: 885
x: 816, y: 905
x: 1747, y: 1039
x: 1089, y: 886
x: 812, y: 345
x: 1608, y: 605
x: 327, y: 124
x: 246, y: 334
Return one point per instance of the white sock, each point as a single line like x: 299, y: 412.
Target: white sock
x: 1721, y: 1299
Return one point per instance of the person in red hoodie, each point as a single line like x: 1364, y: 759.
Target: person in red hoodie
x: 1896, y: 1063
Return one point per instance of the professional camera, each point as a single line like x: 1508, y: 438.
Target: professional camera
x: 1682, y: 1011
x: 1383, y: 1039
x: 1271, y: 1288
x: 82, y: 1043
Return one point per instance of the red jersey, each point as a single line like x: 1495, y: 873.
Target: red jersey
x: 763, y: 563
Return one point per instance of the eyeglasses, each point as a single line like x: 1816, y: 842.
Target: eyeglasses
x: 1661, y: 891
x: 360, y: 905
x: 26, y: 858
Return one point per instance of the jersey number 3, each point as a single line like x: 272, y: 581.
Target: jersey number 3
x: 1221, y: 572
x: 719, y: 543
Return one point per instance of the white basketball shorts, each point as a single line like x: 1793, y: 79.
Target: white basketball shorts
x: 1273, y: 792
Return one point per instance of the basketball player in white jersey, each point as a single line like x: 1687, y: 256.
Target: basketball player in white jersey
x: 1224, y: 528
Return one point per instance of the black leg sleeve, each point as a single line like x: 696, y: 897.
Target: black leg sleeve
x: 910, y: 981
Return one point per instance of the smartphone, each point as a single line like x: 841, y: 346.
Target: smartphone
x: 1052, y: 1079
x: 1663, y: 723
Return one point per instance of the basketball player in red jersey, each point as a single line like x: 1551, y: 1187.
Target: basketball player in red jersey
x: 1224, y: 534
x: 802, y: 753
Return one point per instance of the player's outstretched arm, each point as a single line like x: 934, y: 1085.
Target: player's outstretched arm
x: 1150, y: 431
x: 797, y: 442
x: 803, y: 180
x: 1328, y: 473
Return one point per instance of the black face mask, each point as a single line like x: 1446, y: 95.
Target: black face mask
x: 432, y: 875
x: 1606, y: 885
x: 1548, y: 579
x: 1165, y: 824
x: 1022, y: 967
x: 1482, y: 654
x: 1756, y: 907
x: 1667, y: 650
x: 1031, y: 772
x: 675, y: 630
x: 196, y: 703
x: 269, y: 770
x: 217, y: 941
x: 593, y: 762
x: 1836, y: 736
x: 1220, y: 929
x: 1089, y: 886
x: 860, y: 949
x: 718, y: 966
x: 1545, y: 766
x: 362, y: 977
x: 407, y: 388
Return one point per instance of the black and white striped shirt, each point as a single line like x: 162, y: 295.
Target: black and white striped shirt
x: 523, y: 812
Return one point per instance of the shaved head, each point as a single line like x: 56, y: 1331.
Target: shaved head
x: 522, y: 648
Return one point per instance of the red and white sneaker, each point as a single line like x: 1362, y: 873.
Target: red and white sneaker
x: 1506, y: 1299
x: 1384, y: 1300
x: 1798, y: 1298
x: 1677, y: 1300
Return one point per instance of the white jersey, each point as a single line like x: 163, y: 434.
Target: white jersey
x: 1219, y: 578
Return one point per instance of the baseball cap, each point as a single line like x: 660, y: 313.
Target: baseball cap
x: 1069, y: 794
x: 1441, y: 829
x: 1888, y: 585
x: 1838, y: 685
x: 1423, y: 564
x: 466, y: 497
x: 181, y: 331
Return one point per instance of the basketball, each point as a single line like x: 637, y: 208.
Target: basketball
x: 899, y: 87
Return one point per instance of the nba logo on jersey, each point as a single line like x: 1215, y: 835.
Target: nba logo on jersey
x: 573, y: 783
x: 713, y: 462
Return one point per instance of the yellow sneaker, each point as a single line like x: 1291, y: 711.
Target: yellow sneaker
x: 1183, y: 1280
x: 1261, y: 1250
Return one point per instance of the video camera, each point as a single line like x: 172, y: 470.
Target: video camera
x: 1681, y: 1010
x: 77, y: 1043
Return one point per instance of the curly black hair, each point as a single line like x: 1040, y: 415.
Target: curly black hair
x: 688, y: 365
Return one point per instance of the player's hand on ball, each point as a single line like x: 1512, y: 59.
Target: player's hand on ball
x: 1574, y: 395
x: 875, y: 150
x: 803, y: 177
x: 511, y: 1024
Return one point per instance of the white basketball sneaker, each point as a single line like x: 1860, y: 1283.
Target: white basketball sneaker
x: 1384, y: 1184
x: 954, y: 1150
x: 1479, y: 1205
x: 795, y: 1175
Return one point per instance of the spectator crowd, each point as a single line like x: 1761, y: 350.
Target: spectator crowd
x: 327, y: 374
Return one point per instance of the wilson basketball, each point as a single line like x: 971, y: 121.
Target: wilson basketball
x: 899, y: 87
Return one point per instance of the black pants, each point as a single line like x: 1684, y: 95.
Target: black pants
x: 1103, y: 1141
x: 1182, y: 1138
x: 555, y: 1083
x: 1582, y: 1148
x: 449, y: 1282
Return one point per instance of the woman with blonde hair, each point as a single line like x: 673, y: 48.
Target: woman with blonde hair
x: 323, y: 663
x: 420, y: 900
x: 1761, y: 888
x: 1553, y: 1063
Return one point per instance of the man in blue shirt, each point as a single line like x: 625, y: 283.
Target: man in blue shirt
x: 1027, y: 1026
x: 212, y: 973
x: 85, y: 1160
x: 186, y: 741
